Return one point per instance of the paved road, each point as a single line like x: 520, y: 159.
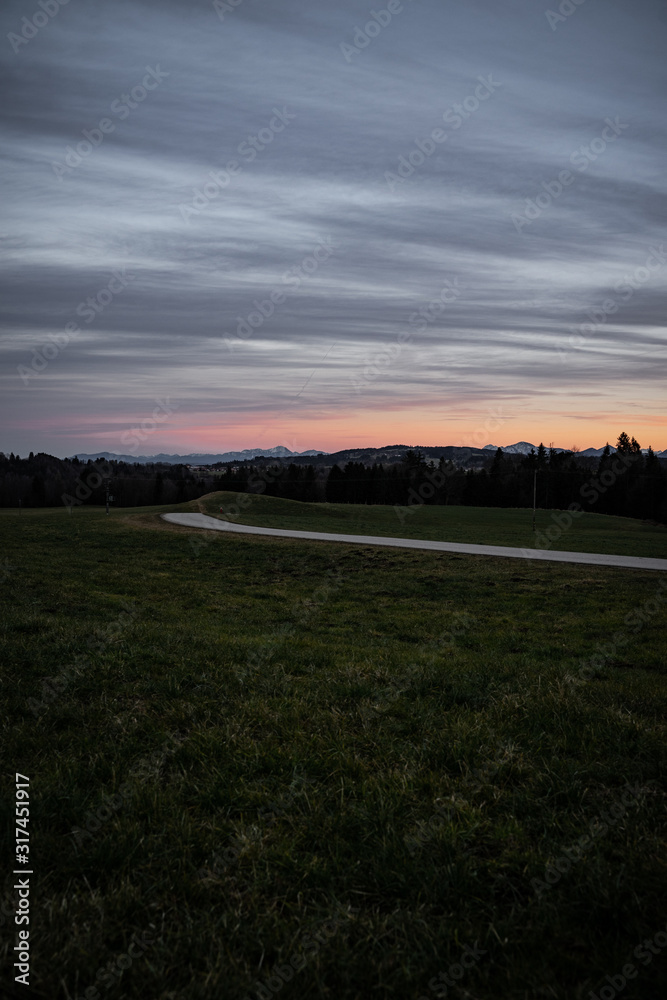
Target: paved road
x: 592, y: 558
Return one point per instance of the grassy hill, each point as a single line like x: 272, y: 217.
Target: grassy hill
x: 236, y: 744
x: 482, y: 525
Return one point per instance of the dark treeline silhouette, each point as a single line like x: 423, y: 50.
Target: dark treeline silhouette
x: 293, y: 482
x: 622, y: 481
x: 44, y: 481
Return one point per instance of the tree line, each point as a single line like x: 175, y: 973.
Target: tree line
x: 624, y: 481
x: 45, y: 481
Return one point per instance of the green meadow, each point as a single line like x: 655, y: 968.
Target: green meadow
x: 263, y: 767
x: 588, y: 532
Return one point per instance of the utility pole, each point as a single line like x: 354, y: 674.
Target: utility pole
x: 106, y: 486
x: 534, y: 495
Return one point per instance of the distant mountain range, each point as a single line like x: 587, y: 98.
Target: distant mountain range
x: 525, y: 448
x: 520, y: 448
x: 390, y: 453
x: 227, y: 456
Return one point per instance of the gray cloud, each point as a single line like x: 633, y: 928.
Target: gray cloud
x: 67, y: 229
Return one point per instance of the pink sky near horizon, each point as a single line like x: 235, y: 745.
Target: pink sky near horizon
x: 186, y: 433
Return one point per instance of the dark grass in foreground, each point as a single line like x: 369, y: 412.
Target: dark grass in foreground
x: 274, y: 734
x: 482, y: 525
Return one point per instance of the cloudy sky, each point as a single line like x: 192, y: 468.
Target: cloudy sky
x: 241, y: 224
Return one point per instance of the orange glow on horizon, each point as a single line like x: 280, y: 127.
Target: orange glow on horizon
x: 191, y: 433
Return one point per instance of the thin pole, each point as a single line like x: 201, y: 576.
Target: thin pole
x: 534, y: 495
x: 107, y: 495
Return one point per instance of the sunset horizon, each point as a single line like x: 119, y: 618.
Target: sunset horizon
x: 153, y: 435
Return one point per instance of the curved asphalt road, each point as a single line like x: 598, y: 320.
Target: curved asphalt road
x: 593, y: 558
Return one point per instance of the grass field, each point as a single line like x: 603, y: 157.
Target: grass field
x: 483, y: 525
x: 319, y: 770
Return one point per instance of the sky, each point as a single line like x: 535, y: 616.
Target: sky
x: 239, y: 224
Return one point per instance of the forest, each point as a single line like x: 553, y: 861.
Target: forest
x: 624, y: 481
x: 45, y: 481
